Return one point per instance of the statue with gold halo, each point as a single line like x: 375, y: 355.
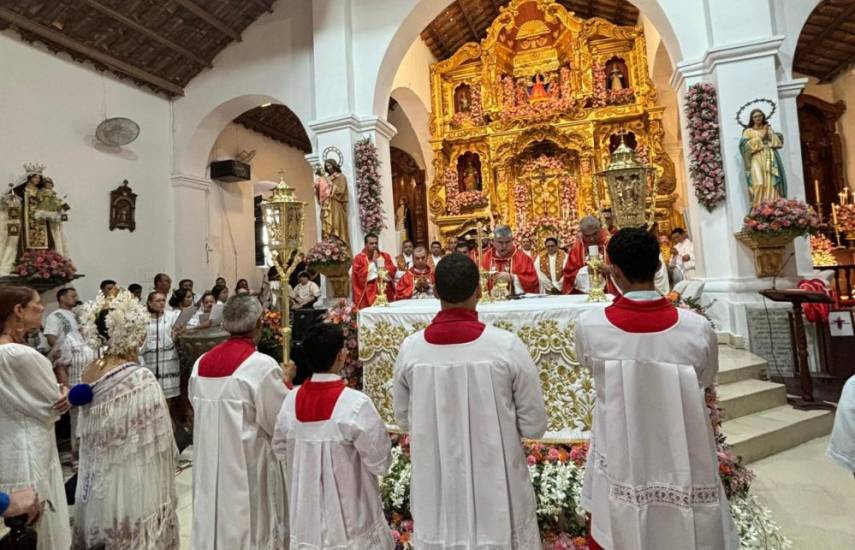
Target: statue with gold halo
x: 764, y: 170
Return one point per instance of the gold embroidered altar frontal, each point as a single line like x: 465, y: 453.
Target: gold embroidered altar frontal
x: 546, y: 326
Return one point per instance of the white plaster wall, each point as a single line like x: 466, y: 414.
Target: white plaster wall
x: 232, y: 229
x: 273, y: 62
x: 406, y: 138
x: 49, y: 108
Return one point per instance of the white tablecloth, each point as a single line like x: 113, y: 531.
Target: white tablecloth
x: 546, y: 326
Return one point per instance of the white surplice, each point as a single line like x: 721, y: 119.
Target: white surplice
x: 841, y: 446
x: 466, y: 407
x: 28, y: 454
x: 652, y: 480
x: 555, y: 278
x: 332, y: 469
x: 238, y: 484
x: 160, y: 355
x: 685, y: 267
x: 126, y: 484
x: 661, y: 278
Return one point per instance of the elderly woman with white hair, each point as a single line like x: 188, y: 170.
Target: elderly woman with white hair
x: 238, y: 485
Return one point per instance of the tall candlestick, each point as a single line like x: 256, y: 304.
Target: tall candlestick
x: 816, y: 190
x: 834, y: 214
x: 842, y: 197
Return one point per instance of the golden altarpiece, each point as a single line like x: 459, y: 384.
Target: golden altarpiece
x: 523, y: 121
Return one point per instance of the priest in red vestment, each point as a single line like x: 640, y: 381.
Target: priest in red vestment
x: 510, y: 262
x: 363, y: 273
x: 590, y: 234
x: 417, y: 282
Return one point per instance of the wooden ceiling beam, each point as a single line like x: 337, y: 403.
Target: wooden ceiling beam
x: 177, y: 48
x: 845, y: 62
x: 274, y: 132
x: 468, y: 20
x: 831, y: 27
x: 208, y: 18
x: 438, y: 41
x: 94, y: 54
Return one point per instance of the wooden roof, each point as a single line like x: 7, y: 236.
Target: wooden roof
x: 467, y: 20
x: 277, y: 122
x: 159, y: 44
x: 827, y: 43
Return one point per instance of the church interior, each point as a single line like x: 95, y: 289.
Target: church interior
x: 258, y: 141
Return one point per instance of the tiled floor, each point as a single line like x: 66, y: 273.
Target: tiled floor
x: 811, y: 498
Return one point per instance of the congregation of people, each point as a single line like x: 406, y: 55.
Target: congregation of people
x: 279, y: 466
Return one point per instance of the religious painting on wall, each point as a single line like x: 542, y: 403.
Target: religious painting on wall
x: 123, y: 203
x: 469, y: 172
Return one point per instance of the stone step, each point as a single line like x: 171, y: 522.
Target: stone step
x: 771, y: 431
x: 750, y: 396
x: 735, y: 365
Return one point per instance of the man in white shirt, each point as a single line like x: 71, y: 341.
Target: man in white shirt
x: 238, y: 483
x: 334, y: 445
x: 59, y: 324
x: 550, y: 267
x: 652, y: 475
x: 682, y: 256
x: 436, y: 254
x: 306, y: 293
x: 467, y: 393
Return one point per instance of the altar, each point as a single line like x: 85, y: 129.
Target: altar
x: 544, y: 323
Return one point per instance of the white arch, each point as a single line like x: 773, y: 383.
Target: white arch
x: 789, y: 23
x: 417, y: 113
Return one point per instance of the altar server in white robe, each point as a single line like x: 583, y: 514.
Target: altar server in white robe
x: 841, y: 446
x: 334, y: 444
x: 238, y: 484
x: 652, y: 480
x: 467, y: 393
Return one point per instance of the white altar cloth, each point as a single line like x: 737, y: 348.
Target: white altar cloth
x: 544, y: 323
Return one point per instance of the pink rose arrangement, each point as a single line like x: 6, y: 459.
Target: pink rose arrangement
x: 328, y: 251
x: 516, y: 105
x: 563, y: 229
x: 705, y: 166
x: 45, y: 265
x: 344, y: 315
x: 368, y: 187
x: 781, y: 216
x: 846, y: 217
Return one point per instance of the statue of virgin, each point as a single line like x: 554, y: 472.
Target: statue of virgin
x: 764, y: 170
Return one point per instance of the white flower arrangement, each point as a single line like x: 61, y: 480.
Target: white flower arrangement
x: 755, y: 525
x: 127, y: 323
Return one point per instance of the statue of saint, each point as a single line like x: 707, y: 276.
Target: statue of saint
x: 402, y: 220
x: 337, y: 200
x: 538, y: 89
x: 35, y: 234
x: 616, y: 78
x: 470, y: 178
x: 53, y: 210
x: 764, y: 170
x: 322, y: 194
x: 10, y: 230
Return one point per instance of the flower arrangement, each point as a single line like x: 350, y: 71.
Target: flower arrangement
x: 45, y: 265
x: 516, y: 105
x: 621, y: 97
x: 705, y: 166
x: 781, y: 217
x: 563, y: 229
x: 344, y: 315
x: 455, y: 200
x: 328, y: 251
x: 368, y: 186
x: 846, y: 217
x: 599, y: 97
x: 820, y: 251
x: 270, y: 342
x: 475, y: 115
x: 126, y: 322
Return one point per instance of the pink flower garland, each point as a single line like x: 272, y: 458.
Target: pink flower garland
x: 476, y: 110
x: 781, y: 216
x: 45, y: 265
x: 368, y: 186
x: 455, y: 201
x: 516, y: 106
x: 705, y: 166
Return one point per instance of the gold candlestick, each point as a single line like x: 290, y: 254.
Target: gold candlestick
x: 486, y: 298
x: 595, y: 280
x: 382, y: 300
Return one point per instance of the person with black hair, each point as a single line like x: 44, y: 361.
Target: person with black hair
x: 62, y: 320
x: 467, y: 393
x: 364, y: 273
x: 136, y: 290
x: 306, y: 293
x: 163, y: 285
x: 682, y: 256
x: 650, y: 362
x: 550, y: 266
x: 436, y: 254
x: 327, y: 432
x: 462, y: 247
x: 107, y: 286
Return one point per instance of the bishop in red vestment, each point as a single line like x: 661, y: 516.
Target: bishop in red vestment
x: 505, y: 257
x: 363, y: 274
x: 416, y: 282
x: 590, y: 234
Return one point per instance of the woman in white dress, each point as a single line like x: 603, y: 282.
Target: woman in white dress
x: 75, y: 355
x: 126, y: 496
x: 159, y: 352
x: 31, y: 402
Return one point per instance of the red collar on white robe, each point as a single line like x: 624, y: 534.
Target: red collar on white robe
x: 224, y: 359
x: 317, y: 397
x: 642, y: 316
x: 454, y: 326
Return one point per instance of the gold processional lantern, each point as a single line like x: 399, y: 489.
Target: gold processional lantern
x: 283, y: 218
x: 627, y: 183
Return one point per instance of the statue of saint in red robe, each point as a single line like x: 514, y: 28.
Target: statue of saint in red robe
x: 363, y: 274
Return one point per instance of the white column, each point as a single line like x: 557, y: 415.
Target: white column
x: 192, y: 249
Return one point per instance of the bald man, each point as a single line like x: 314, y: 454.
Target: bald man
x: 590, y: 234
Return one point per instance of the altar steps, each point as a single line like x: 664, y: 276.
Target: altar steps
x: 759, y: 422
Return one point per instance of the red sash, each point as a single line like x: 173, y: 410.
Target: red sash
x: 642, y: 316
x: 454, y: 326
x: 224, y: 359
x: 316, y: 401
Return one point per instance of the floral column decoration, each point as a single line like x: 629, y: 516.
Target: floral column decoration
x: 368, y: 186
x: 705, y: 166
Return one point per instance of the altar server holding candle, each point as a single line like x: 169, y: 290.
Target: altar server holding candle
x: 467, y: 393
x: 652, y: 475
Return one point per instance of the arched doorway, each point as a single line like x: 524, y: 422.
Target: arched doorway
x: 408, y: 185
x: 822, y: 151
